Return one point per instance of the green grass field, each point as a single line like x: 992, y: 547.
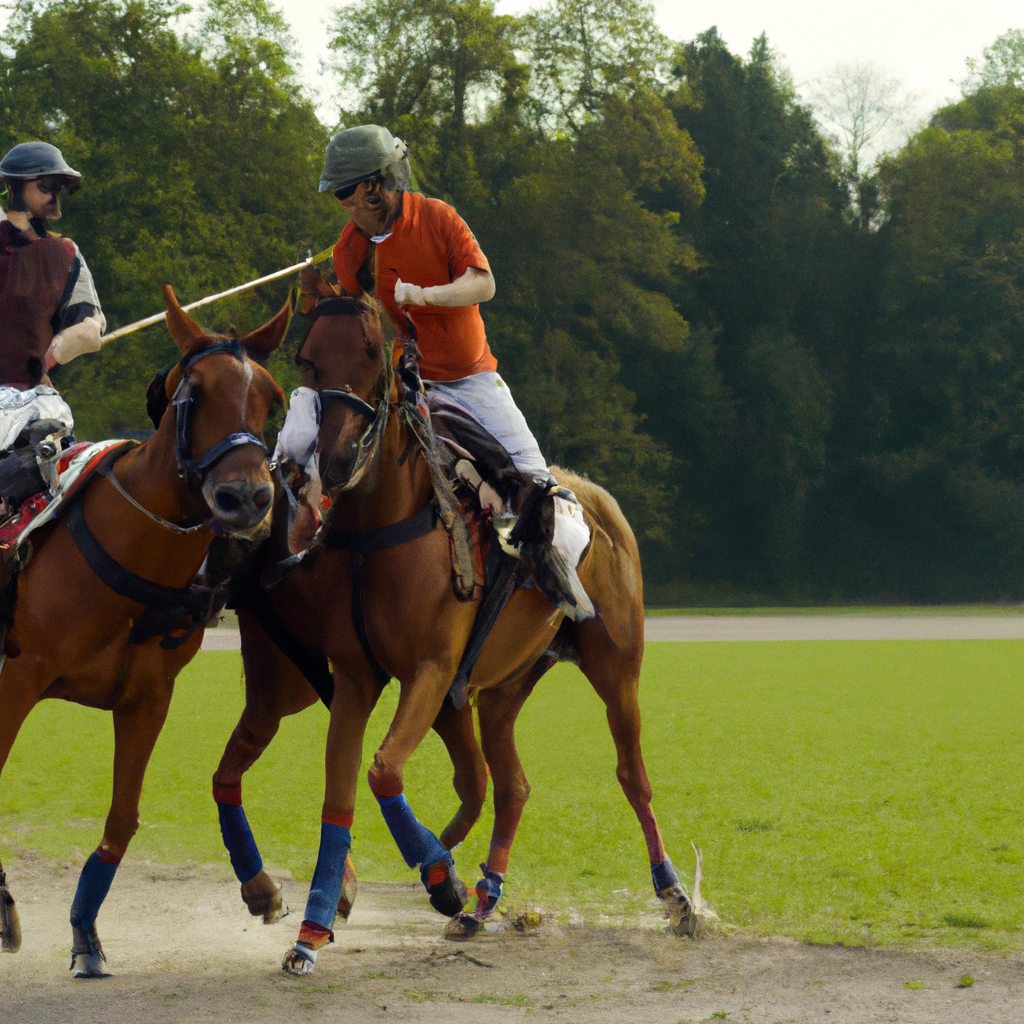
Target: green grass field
x: 856, y: 792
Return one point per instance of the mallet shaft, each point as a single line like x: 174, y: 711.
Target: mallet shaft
x: 156, y: 318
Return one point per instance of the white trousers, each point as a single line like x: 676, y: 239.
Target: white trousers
x: 488, y: 399
x: 20, y: 409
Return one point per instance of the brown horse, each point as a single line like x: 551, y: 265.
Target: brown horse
x: 393, y: 613
x: 112, y: 577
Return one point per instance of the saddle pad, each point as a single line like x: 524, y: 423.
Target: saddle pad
x: 74, y: 469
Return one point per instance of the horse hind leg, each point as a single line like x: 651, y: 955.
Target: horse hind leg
x: 498, y: 711
x: 17, y: 699
x: 614, y: 671
x: 455, y: 727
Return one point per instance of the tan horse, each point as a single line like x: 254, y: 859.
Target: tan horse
x: 415, y: 629
x: 83, y: 604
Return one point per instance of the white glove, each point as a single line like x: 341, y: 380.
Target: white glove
x: 73, y: 341
x: 409, y: 294
x: 298, y: 437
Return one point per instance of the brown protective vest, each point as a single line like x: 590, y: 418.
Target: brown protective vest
x: 32, y: 281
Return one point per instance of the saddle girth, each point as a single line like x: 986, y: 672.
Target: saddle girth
x: 357, y: 544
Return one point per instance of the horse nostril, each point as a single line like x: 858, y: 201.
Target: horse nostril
x: 228, y: 501
x: 261, y: 499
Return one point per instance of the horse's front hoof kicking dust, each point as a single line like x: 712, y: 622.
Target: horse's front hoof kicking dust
x: 463, y: 927
x: 296, y: 963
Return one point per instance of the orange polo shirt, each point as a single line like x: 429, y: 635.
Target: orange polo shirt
x: 429, y: 244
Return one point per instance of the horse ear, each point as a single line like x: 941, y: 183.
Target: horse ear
x: 183, y: 329
x: 265, y: 339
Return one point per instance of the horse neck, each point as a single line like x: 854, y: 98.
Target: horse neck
x: 389, y: 492
x: 151, y: 476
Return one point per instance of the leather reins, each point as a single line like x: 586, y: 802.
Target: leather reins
x: 193, y: 470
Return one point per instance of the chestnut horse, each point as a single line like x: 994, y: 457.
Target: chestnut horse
x: 387, y: 568
x: 151, y: 516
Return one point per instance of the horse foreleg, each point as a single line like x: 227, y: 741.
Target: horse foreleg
x: 418, y: 705
x: 274, y: 687
x: 17, y: 702
x: 350, y: 711
x: 262, y: 895
x: 135, y: 733
x: 470, y: 779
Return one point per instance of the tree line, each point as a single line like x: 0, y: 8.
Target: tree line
x: 803, y: 380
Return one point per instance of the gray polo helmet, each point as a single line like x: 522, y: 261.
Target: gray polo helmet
x: 358, y: 154
x: 30, y: 160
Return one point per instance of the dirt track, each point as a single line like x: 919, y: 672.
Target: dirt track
x: 184, y: 950
x: 789, y: 627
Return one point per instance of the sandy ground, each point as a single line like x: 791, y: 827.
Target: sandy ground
x: 790, y: 627
x: 184, y: 949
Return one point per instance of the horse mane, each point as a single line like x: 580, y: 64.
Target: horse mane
x: 363, y: 306
x: 368, y: 310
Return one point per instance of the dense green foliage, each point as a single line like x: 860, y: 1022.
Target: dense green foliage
x: 831, y: 799
x: 799, y: 386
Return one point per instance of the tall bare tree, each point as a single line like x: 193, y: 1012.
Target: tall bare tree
x: 863, y: 106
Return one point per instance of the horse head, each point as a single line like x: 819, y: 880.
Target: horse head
x: 344, y: 359
x: 221, y: 395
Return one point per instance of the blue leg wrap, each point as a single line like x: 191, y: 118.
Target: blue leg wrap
x: 664, y: 875
x: 329, y: 876
x: 488, y: 892
x: 238, y: 838
x: 418, y: 845
x: 93, y: 886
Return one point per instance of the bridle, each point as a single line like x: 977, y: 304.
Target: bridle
x: 366, y: 443
x: 184, y: 400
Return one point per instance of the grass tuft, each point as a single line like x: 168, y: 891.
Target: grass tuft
x: 954, y: 920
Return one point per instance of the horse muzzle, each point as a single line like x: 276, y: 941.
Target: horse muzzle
x: 240, y: 505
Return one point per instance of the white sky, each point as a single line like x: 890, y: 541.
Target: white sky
x: 923, y: 43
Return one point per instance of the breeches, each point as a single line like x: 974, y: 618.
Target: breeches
x: 488, y: 399
x: 20, y: 409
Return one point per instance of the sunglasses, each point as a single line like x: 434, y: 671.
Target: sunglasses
x: 348, y: 191
x: 53, y: 188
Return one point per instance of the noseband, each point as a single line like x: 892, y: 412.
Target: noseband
x: 346, y: 397
x: 367, y: 441
x: 194, y: 470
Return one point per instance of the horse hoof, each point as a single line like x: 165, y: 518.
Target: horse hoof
x: 295, y: 963
x: 88, y: 965
x: 463, y: 927
x: 526, y: 921
x: 447, y: 893
x: 683, y: 920
x: 10, y: 923
x: 349, y: 888
x: 262, y: 896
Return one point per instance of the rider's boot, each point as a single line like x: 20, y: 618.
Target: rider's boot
x: 534, y: 534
